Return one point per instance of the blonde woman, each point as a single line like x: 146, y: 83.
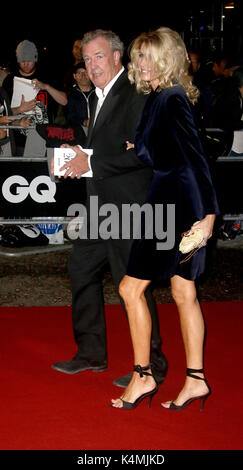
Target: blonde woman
x: 167, y: 139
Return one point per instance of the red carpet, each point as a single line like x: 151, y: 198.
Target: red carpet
x: 44, y: 409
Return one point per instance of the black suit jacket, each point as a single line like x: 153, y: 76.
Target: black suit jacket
x: 118, y: 175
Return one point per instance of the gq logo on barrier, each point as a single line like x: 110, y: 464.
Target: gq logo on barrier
x: 23, y: 189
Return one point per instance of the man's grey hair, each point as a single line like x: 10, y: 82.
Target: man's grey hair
x: 115, y: 42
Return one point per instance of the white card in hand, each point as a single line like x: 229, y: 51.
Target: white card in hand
x: 64, y: 155
x: 23, y: 86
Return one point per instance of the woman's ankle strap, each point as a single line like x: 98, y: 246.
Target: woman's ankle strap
x: 142, y: 370
x: 191, y: 373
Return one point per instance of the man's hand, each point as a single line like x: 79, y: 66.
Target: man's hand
x: 24, y: 122
x: 4, y: 120
x: 78, y: 165
x: 39, y: 85
x: 59, y: 96
x: 3, y: 134
x: 24, y: 106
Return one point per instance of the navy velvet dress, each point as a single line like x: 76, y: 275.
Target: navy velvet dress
x: 167, y: 140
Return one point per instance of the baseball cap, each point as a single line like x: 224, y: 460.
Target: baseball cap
x: 26, y: 52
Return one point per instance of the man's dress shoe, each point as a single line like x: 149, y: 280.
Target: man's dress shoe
x: 79, y: 365
x: 124, y: 381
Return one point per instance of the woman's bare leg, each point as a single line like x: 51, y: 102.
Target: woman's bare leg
x: 192, y: 329
x: 132, y: 291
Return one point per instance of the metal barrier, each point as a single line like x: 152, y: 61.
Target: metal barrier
x: 19, y: 252
x: 29, y: 193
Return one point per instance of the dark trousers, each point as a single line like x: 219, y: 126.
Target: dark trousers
x: 86, y: 267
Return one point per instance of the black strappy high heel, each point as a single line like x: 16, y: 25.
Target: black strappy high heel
x: 130, y: 406
x: 191, y: 373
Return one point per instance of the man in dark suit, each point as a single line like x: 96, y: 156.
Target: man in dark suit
x: 118, y: 178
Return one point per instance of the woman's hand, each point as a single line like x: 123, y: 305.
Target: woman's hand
x: 129, y: 145
x: 86, y: 123
x: 206, y: 225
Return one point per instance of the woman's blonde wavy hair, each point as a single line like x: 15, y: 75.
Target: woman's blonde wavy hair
x: 167, y: 52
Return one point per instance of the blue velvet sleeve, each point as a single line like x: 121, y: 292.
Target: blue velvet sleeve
x: 184, y: 148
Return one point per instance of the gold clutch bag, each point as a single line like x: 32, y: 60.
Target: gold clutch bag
x: 192, y: 241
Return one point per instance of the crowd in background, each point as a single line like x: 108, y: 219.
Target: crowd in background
x: 66, y: 93
x: 218, y: 77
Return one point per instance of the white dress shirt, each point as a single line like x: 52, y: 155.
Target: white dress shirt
x: 102, y: 94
